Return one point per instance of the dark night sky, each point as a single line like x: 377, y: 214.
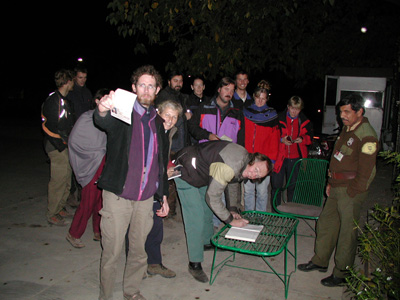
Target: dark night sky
x: 44, y: 38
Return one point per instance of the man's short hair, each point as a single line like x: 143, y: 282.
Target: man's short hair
x: 197, y: 77
x: 225, y: 81
x: 355, y: 100
x: 146, y: 70
x: 241, y: 72
x: 62, y: 76
x: 80, y: 68
x: 296, y: 102
x: 174, y: 73
x: 174, y: 105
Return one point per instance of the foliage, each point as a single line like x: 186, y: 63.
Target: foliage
x: 214, y: 38
x: 394, y: 158
x: 380, y: 248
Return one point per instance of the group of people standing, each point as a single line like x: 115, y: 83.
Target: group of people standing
x: 123, y: 169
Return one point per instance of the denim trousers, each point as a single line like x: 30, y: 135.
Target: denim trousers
x: 256, y: 195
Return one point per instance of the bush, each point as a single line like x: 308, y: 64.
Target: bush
x: 380, y: 247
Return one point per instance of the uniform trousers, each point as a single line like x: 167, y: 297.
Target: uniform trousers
x: 90, y: 205
x: 336, y: 229
x: 60, y: 182
x: 117, y: 215
x: 197, y: 218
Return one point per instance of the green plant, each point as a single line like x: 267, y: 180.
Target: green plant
x: 379, y: 247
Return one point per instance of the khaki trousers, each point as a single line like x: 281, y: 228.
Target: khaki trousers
x: 117, y: 214
x: 60, y: 182
x: 336, y: 229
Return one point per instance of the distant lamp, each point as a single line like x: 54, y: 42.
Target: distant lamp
x: 363, y: 29
x: 80, y: 59
x: 319, y: 110
x: 368, y: 103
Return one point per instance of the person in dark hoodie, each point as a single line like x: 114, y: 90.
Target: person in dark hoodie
x: 58, y: 121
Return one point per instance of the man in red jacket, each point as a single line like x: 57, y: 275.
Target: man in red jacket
x: 295, y: 135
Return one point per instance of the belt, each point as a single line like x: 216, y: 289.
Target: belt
x: 342, y: 175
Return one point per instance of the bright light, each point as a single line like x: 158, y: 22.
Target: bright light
x: 363, y: 29
x: 367, y: 103
x: 319, y: 110
x: 80, y: 59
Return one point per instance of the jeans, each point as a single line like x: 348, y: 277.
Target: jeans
x: 256, y: 195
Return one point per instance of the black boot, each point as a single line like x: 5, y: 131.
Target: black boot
x: 197, y: 272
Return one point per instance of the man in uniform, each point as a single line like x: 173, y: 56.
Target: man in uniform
x: 352, y: 169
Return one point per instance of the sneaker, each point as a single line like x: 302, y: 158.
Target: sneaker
x: 97, y: 236
x: 137, y: 296
x: 65, y: 214
x: 57, y: 220
x: 77, y: 243
x: 160, y: 269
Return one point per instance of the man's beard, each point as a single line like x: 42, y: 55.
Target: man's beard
x: 146, y: 101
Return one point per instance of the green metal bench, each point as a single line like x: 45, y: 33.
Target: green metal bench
x: 308, y: 197
x: 272, y: 241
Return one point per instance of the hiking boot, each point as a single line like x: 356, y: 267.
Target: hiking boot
x: 65, y: 214
x: 57, y: 220
x: 197, y: 272
x: 77, y: 243
x: 97, y: 236
x: 160, y: 269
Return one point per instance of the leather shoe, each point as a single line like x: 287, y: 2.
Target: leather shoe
x: 333, y: 281
x: 197, y: 272
x: 310, y: 266
x: 208, y: 247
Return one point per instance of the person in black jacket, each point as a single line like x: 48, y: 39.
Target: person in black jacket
x: 58, y: 121
x: 134, y: 171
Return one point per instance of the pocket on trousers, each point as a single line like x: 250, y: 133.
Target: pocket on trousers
x: 105, y: 214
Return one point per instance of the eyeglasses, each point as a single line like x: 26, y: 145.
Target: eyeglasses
x: 144, y: 87
x: 255, y: 172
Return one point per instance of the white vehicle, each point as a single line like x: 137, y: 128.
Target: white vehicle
x: 375, y: 86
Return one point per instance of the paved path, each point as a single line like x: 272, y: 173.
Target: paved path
x: 36, y: 262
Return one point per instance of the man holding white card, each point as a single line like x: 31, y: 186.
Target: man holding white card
x: 351, y: 171
x: 135, y: 170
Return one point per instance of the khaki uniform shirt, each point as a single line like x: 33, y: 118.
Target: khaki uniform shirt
x: 355, y: 151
